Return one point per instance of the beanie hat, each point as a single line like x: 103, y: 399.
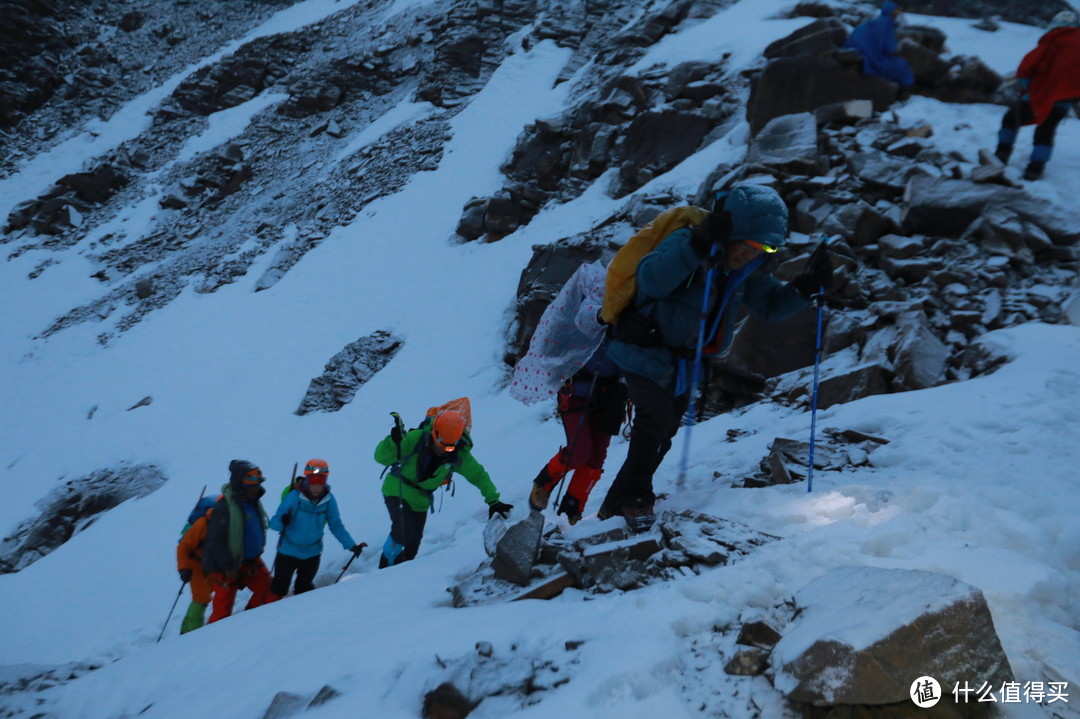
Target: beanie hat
x: 243, y: 472
x: 758, y: 213
x: 1065, y: 18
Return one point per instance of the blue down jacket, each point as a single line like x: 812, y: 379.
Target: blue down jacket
x: 303, y: 537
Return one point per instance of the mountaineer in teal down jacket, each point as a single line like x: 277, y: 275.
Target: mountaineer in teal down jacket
x: 420, y: 461
x: 655, y: 339
x: 302, y: 519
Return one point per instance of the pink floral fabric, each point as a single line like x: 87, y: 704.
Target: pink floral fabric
x: 565, y: 338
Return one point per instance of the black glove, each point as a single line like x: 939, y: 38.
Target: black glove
x: 357, y: 548
x: 500, y: 508
x: 285, y: 519
x: 817, y: 275
x: 185, y: 575
x: 395, y: 434
x: 700, y: 242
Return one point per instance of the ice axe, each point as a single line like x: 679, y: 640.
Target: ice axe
x: 292, y: 485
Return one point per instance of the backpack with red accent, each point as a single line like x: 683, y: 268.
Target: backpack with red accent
x: 201, y: 509
x: 460, y: 405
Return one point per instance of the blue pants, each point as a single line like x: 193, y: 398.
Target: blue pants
x: 1022, y: 114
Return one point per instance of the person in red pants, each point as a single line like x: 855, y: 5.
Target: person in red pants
x: 1049, y: 82
x: 235, y: 540
x: 567, y: 358
x: 591, y: 405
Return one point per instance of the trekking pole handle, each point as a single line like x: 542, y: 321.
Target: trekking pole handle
x: 400, y: 426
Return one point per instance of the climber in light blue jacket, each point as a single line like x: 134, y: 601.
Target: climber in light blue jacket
x: 301, y: 519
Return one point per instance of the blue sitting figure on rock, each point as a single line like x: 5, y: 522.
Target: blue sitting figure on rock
x: 876, y: 42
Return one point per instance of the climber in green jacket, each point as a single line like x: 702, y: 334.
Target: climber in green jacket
x: 420, y: 461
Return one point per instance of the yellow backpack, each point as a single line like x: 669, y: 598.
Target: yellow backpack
x: 621, y: 281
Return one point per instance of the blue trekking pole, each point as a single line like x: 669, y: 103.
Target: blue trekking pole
x: 695, y: 376
x: 819, y: 301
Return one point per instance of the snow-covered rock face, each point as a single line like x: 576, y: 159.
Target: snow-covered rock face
x: 73, y: 507
x: 864, y: 635
x: 294, y: 165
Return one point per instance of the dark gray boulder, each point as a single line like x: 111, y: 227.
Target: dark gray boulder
x: 788, y: 143
x: 947, y: 207
x: 820, y: 37
x: 919, y: 356
x: 790, y: 85
x: 516, y: 552
x: 896, y: 625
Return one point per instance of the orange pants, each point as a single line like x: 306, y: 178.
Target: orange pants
x: 201, y: 589
x: 253, y: 576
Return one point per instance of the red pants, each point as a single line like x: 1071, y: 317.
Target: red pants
x: 253, y: 576
x: 584, y: 453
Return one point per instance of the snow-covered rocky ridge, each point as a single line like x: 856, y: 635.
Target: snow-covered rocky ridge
x: 291, y: 234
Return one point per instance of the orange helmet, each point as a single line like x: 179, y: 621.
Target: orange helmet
x: 447, y: 429
x: 316, y: 468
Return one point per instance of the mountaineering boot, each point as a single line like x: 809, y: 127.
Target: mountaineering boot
x: 1006, y: 141
x: 639, y: 516
x: 545, y: 481
x: 1040, y: 155
x: 194, y: 618
x: 541, y: 491
x: 539, y: 497
x: 608, y: 511
x: 571, y: 507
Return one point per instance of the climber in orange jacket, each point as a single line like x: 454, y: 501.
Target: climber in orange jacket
x: 189, y: 553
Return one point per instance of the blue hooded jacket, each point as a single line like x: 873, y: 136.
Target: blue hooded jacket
x: 671, y: 288
x: 876, y: 42
x: 303, y: 537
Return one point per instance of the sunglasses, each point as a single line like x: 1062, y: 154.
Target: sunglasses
x: 760, y: 246
x: 254, y: 476
x: 312, y: 469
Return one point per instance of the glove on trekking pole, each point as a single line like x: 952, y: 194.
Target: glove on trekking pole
x: 356, y: 553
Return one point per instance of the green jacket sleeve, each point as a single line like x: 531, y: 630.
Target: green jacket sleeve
x: 386, y: 452
x: 475, y: 473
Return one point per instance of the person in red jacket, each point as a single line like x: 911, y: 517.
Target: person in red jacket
x: 1049, y: 77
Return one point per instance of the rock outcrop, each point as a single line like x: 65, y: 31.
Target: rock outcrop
x: 863, y: 635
